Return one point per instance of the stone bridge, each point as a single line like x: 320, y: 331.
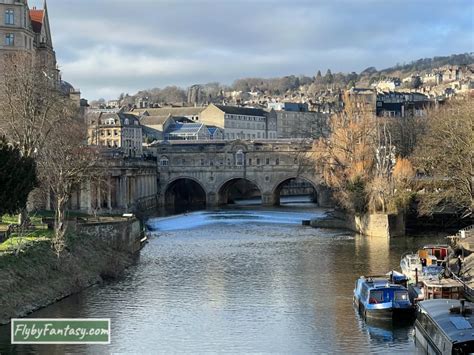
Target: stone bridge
x: 193, y: 172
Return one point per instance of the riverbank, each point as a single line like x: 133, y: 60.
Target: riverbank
x: 37, y: 277
x: 372, y: 225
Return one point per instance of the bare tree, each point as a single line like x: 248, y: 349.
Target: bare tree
x: 31, y: 104
x: 66, y: 162
x: 445, y: 157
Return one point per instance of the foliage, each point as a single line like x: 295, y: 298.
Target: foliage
x: 17, y: 178
x: 445, y: 157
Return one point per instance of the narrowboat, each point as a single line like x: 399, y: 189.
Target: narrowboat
x: 445, y: 327
x: 379, y: 299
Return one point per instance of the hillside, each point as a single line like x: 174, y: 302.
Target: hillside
x: 288, y: 86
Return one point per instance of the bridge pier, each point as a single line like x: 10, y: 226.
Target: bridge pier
x: 268, y: 199
x: 212, y: 199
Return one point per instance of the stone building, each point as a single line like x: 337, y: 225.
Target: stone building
x: 240, y: 122
x: 293, y: 124
x: 27, y: 30
x: 401, y: 104
x: 121, y: 131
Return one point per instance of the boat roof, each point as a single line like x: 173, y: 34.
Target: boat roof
x: 374, y: 283
x: 457, y: 327
x: 429, y: 246
x: 447, y: 283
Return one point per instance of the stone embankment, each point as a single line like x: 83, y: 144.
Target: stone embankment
x: 374, y: 225
x: 37, y: 277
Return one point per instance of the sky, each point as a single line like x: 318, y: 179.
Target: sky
x: 105, y: 47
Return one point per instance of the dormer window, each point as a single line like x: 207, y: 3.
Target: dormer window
x: 9, y: 17
x: 126, y: 122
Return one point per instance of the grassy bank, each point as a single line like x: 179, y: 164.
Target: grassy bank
x: 37, y: 277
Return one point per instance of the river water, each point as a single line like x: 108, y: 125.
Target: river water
x: 240, y: 280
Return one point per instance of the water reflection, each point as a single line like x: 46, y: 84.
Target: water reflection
x: 240, y: 281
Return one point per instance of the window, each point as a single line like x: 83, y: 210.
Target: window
x: 258, y: 161
x: 267, y: 161
x: 376, y: 297
x: 10, y: 39
x: 250, y: 161
x: 202, y: 162
x: 277, y: 161
x: 9, y: 17
x: 401, y: 296
x: 164, y: 161
x: 239, y: 158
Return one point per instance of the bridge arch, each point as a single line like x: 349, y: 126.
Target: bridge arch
x: 278, y: 187
x: 184, y: 193
x: 238, y: 187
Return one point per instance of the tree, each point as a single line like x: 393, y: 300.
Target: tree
x: 65, y: 163
x: 328, y: 78
x: 445, y: 156
x: 31, y: 104
x: 346, y: 158
x: 357, y: 161
x: 17, y: 178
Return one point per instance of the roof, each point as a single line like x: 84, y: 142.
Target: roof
x: 37, y: 17
x: 172, y: 111
x: 245, y: 111
x: 122, y: 116
x: 185, y: 128
x: 153, y: 120
x: 438, y: 310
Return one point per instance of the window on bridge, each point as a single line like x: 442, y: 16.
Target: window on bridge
x: 239, y: 158
x: 164, y: 161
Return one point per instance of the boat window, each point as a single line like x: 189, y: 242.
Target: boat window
x: 401, y: 296
x: 376, y: 297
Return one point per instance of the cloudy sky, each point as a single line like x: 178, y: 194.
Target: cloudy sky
x: 105, y: 47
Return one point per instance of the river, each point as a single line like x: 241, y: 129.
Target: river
x: 240, y: 280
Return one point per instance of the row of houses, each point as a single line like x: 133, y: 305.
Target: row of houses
x: 127, y: 130
x: 390, y: 103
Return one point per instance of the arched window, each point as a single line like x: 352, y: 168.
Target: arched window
x: 239, y: 158
x: 126, y: 122
x: 164, y: 161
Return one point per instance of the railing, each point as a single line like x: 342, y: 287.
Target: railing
x: 468, y: 291
x: 468, y: 230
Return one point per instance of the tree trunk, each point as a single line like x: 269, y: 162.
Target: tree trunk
x: 59, y: 242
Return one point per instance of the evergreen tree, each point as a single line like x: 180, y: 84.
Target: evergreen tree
x: 17, y: 178
x: 319, y: 78
x: 329, y: 78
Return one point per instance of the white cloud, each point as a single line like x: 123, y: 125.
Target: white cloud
x: 109, y: 46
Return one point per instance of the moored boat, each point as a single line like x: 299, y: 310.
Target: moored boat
x: 435, y: 253
x: 445, y: 327
x: 411, y: 266
x: 377, y: 298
